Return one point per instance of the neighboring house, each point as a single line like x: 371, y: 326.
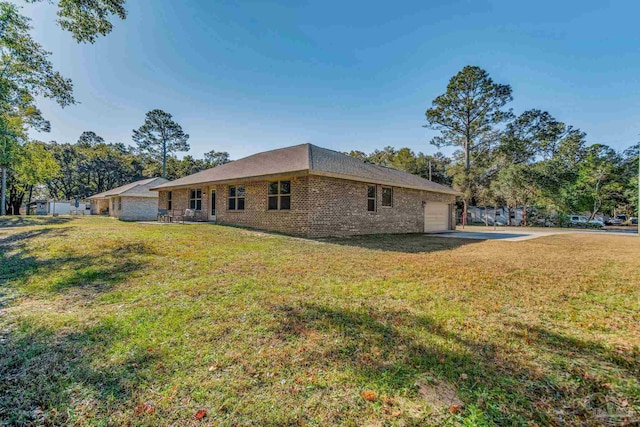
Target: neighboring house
x: 131, y: 202
x: 311, y: 191
x: 67, y: 207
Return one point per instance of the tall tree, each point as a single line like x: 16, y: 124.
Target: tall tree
x: 86, y: 19
x: 466, y: 116
x: 597, y: 184
x: 26, y: 73
x: 35, y: 166
x: 630, y: 176
x: 89, y: 168
x: 215, y: 158
x: 89, y: 138
x: 160, y: 136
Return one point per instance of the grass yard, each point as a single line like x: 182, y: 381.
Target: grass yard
x: 111, y: 323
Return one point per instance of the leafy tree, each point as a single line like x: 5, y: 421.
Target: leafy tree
x: 361, y: 155
x: 597, y: 185
x: 216, y: 158
x: 517, y: 184
x: 26, y: 72
x: 629, y: 179
x: 466, y: 116
x: 11, y: 136
x: 534, y: 135
x: 86, y: 19
x: 35, y: 166
x: 406, y: 160
x: 89, y: 168
x: 160, y: 136
x: 384, y: 157
x: 177, y: 168
x: 67, y: 184
x: 537, y: 138
x: 90, y: 138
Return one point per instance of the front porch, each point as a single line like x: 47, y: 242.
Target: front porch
x: 188, y: 205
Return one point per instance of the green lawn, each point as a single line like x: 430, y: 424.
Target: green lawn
x: 111, y: 323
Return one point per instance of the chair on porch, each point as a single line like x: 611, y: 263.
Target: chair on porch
x: 162, y: 215
x: 192, y: 215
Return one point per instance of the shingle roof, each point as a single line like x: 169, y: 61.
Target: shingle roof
x: 134, y: 189
x: 306, y: 158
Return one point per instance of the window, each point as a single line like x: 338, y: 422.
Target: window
x: 236, y: 197
x: 279, y: 195
x: 387, y: 196
x: 113, y: 204
x: 169, y: 201
x: 371, y: 198
x: 119, y: 203
x: 195, y: 200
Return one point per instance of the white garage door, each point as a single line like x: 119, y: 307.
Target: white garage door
x: 436, y: 217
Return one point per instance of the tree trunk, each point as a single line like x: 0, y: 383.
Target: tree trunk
x: 3, y: 196
x: 464, y: 212
x: 29, y: 199
x: 15, y: 206
x: 467, y: 166
x: 508, y: 215
x: 164, y: 159
x: 486, y: 216
x: 15, y: 201
x: 524, y: 215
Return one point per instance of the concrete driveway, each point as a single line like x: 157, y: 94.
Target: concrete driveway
x: 518, y: 234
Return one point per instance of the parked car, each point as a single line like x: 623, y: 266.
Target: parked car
x: 613, y: 221
x: 622, y: 218
x: 583, y: 221
x: 631, y: 221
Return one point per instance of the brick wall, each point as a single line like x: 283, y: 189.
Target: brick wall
x: 339, y: 207
x: 114, y: 207
x: 294, y: 221
x: 138, y: 209
x: 99, y: 205
x: 180, y: 199
x: 320, y: 206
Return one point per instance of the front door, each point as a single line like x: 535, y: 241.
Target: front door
x: 212, y: 210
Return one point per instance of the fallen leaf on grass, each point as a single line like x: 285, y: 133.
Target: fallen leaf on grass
x: 455, y: 409
x: 369, y: 395
x: 201, y: 414
x: 144, y: 408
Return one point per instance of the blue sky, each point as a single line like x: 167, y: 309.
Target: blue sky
x: 249, y: 76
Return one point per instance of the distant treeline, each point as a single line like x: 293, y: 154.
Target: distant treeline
x: 91, y: 166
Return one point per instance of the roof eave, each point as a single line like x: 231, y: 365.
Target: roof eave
x: 382, y: 182
x: 166, y: 186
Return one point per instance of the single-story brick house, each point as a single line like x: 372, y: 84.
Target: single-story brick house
x: 311, y: 191
x: 130, y: 202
